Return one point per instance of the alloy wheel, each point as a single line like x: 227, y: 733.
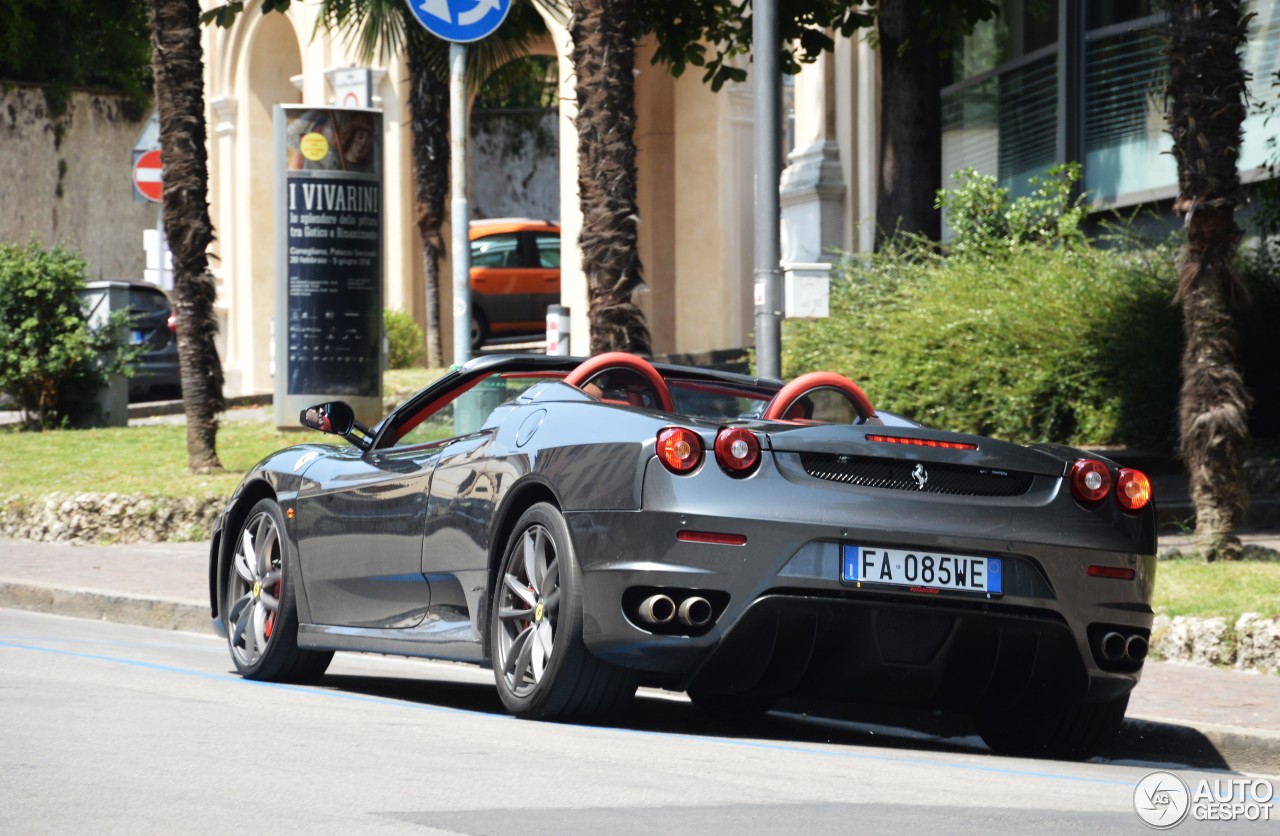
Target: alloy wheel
x: 528, y: 610
x: 254, y: 589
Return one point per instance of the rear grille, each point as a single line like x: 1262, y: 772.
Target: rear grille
x: 958, y: 480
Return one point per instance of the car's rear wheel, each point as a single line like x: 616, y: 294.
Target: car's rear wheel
x: 542, y: 668
x: 1075, y: 733
x: 260, y: 607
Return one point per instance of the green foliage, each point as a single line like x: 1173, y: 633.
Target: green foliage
x: 683, y: 28
x: 1259, y: 265
x: 528, y: 83
x: 1022, y: 329
x: 982, y: 217
x: 51, y: 361
x: 404, y: 339
x: 77, y: 43
x: 1259, y: 339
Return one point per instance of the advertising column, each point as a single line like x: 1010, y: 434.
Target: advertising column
x: 328, y: 328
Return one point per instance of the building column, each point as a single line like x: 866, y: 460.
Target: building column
x: 813, y: 185
x: 222, y: 192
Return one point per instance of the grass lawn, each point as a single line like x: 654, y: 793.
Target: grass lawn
x: 1188, y: 586
x: 151, y: 460
x: 148, y: 460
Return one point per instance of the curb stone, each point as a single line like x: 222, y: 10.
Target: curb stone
x: 103, y: 606
x: 1206, y: 745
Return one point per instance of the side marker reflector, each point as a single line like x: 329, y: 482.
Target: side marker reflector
x: 713, y: 537
x: 1121, y: 573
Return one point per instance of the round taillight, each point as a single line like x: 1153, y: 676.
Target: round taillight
x: 679, y: 449
x: 737, y: 451
x: 1133, y: 489
x: 1090, y: 480
x: 173, y: 322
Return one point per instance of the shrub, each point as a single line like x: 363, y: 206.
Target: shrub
x: 404, y: 339
x: 1031, y: 334
x: 51, y: 360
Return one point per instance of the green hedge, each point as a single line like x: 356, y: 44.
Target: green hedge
x: 1031, y: 334
x: 51, y: 360
x: 405, y: 340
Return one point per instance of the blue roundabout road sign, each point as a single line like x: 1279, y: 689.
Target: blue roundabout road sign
x: 460, y: 21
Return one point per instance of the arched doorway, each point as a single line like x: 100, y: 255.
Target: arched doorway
x: 270, y: 61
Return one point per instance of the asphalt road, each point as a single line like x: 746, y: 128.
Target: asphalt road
x: 115, y: 728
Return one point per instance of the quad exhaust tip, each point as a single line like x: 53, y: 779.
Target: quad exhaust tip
x: 693, y: 611
x: 657, y: 609
x: 1116, y: 647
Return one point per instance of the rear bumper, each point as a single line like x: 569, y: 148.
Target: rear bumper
x: 786, y: 626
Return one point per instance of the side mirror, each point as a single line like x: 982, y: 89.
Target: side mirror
x: 335, y: 417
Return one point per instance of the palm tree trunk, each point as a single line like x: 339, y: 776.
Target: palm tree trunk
x: 1206, y: 111
x: 429, y: 109
x: 177, y: 62
x: 910, y: 123
x: 604, y: 33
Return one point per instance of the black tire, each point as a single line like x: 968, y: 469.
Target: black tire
x: 542, y: 668
x: 261, y: 608
x: 1074, y: 733
x: 479, y: 328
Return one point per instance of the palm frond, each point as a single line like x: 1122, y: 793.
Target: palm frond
x: 372, y: 29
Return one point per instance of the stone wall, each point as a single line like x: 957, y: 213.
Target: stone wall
x: 515, y: 165
x: 68, y: 180
x: 1252, y: 643
x: 108, y: 518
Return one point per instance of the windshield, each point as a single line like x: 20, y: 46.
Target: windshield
x: 462, y: 410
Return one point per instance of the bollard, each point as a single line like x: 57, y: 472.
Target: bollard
x: 557, y: 330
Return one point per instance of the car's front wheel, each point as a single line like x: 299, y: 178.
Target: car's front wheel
x: 542, y: 668
x: 1074, y: 733
x: 260, y: 607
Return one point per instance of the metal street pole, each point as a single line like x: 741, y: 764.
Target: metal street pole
x: 460, y: 215
x: 768, y: 248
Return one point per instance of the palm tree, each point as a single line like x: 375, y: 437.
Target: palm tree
x: 604, y: 34
x: 177, y: 62
x: 1206, y: 110
x: 910, y: 124
x: 381, y: 28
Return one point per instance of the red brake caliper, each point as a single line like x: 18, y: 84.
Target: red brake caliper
x: 271, y: 619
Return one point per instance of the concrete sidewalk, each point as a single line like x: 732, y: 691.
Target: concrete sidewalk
x: 1181, y: 714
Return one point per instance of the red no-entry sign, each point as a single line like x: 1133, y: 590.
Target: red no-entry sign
x: 146, y: 176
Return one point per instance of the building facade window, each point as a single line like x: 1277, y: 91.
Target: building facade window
x: 1049, y: 81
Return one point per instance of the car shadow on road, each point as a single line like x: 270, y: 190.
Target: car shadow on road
x: 857, y: 726
x: 657, y: 713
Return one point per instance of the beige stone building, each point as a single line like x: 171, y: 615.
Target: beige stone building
x: 1042, y: 83
x: 695, y: 186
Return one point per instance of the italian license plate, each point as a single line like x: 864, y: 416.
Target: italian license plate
x: 923, y: 571
x: 137, y: 338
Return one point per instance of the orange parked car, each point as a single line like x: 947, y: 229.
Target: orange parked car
x: 515, y: 275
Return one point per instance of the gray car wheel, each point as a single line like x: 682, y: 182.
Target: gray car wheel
x: 542, y: 668
x: 261, y: 610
